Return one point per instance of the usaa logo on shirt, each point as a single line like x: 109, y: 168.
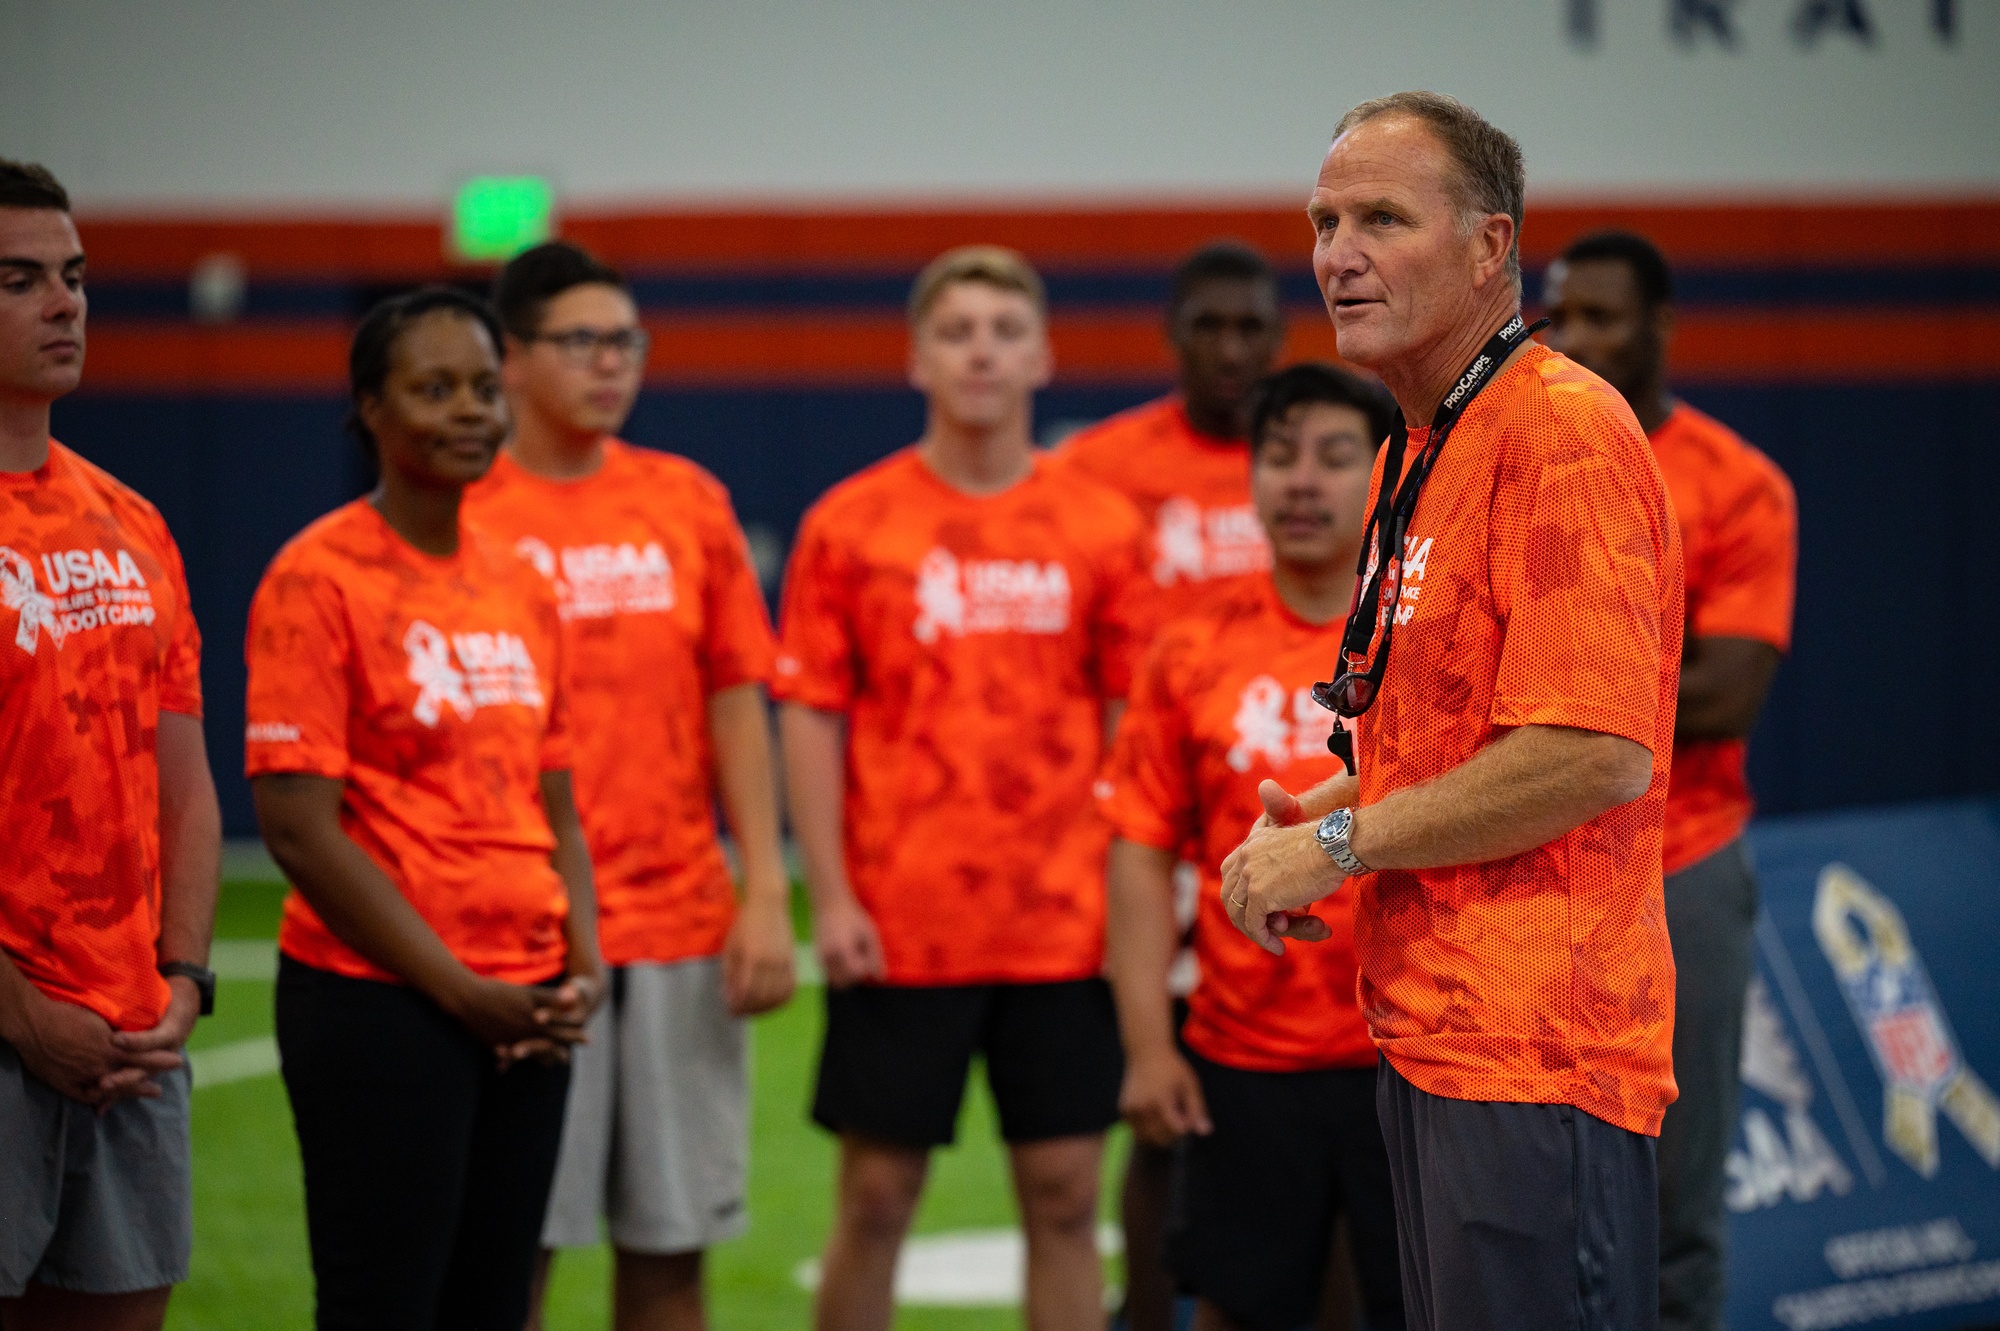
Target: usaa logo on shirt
x: 598, y: 581
x: 1278, y: 725
x: 957, y: 597
x: 1197, y: 544
x: 468, y: 671
x: 87, y: 589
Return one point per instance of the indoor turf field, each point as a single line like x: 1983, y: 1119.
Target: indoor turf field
x: 250, y: 1264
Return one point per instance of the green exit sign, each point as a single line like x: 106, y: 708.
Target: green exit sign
x: 494, y: 218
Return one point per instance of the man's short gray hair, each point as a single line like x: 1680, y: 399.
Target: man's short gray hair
x: 1490, y: 176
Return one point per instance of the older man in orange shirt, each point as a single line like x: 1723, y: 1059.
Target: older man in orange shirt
x: 1504, y: 834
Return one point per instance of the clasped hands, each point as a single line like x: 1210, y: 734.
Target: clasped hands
x: 524, y: 1022
x: 73, y: 1049
x: 1270, y: 880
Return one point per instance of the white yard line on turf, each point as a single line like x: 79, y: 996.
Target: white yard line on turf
x: 967, y: 1268
x: 244, y: 958
x: 238, y: 1061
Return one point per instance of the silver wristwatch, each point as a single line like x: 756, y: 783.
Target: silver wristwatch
x: 1332, y: 834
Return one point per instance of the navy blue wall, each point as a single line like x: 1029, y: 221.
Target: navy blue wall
x: 1890, y: 693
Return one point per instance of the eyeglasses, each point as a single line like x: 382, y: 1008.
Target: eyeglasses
x: 581, y: 346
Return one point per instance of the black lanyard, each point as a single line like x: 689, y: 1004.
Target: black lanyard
x: 1358, y: 677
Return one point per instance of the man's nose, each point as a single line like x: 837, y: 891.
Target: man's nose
x: 1341, y: 254
x: 64, y: 304
x: 1234, y: 345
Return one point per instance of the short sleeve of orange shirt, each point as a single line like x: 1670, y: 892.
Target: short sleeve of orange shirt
x: 971, y: 642
x: 1223, y: 703
x: 1739, y: 535
x: 1542, y: 586
x: 433, y: 689
x: 97, y: 638
x: 1581, y: 591
x: 661, y: 611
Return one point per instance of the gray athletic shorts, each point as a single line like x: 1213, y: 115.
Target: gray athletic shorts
x: 657, y: 1139
x: 98, y: 1205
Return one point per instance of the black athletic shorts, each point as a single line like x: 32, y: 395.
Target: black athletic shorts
x: 1250, y: 1228
x: 895, y: 1060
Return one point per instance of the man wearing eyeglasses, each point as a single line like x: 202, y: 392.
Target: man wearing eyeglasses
x: 1514, y: 679
x: 668, y: 648
x: 1610, y: 300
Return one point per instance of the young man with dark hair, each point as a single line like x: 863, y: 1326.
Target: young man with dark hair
x: 669, y: 648
x: 1514, y: 683
x: 1182, y: 461
x: 1274, y: 1061
x: 110, y: 859
x: 956, y: 641
x: 1610, y: 302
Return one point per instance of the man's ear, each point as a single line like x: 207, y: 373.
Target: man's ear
x: 1047, y: 374
x: 512, y: 352
x: 1494, y: 242
x: 1663, y: 325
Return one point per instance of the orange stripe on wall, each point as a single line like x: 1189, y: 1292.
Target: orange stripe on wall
x: 1856, y: 346
x: 870, y: 350
x: 402, y: 250
x: 781, y: 240
x: 186, y: 358
x: 1726, y: 235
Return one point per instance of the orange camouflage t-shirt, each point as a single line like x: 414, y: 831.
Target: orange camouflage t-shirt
x: 661, y: 610
x: 433, y: 688
x: 1542, y: 586
x: 1224, y: 701
x: 1740, y: 547
x: 97, y: 638
x: 1192, y: 490
x: 972, y: 643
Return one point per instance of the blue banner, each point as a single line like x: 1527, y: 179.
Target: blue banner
x: 1864, y: 1180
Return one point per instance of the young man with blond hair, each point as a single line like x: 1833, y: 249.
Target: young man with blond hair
x: 955, y: 641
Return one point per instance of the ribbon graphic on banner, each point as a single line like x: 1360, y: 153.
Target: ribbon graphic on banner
x: 18, y: 593
x: 1890, y: 994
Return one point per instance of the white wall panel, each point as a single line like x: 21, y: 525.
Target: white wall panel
x: 367, y: 103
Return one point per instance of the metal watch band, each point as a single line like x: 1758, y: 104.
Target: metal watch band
x: 1332, y: 835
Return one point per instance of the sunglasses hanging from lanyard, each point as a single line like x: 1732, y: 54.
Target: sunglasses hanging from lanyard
x: 1364, y: 645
